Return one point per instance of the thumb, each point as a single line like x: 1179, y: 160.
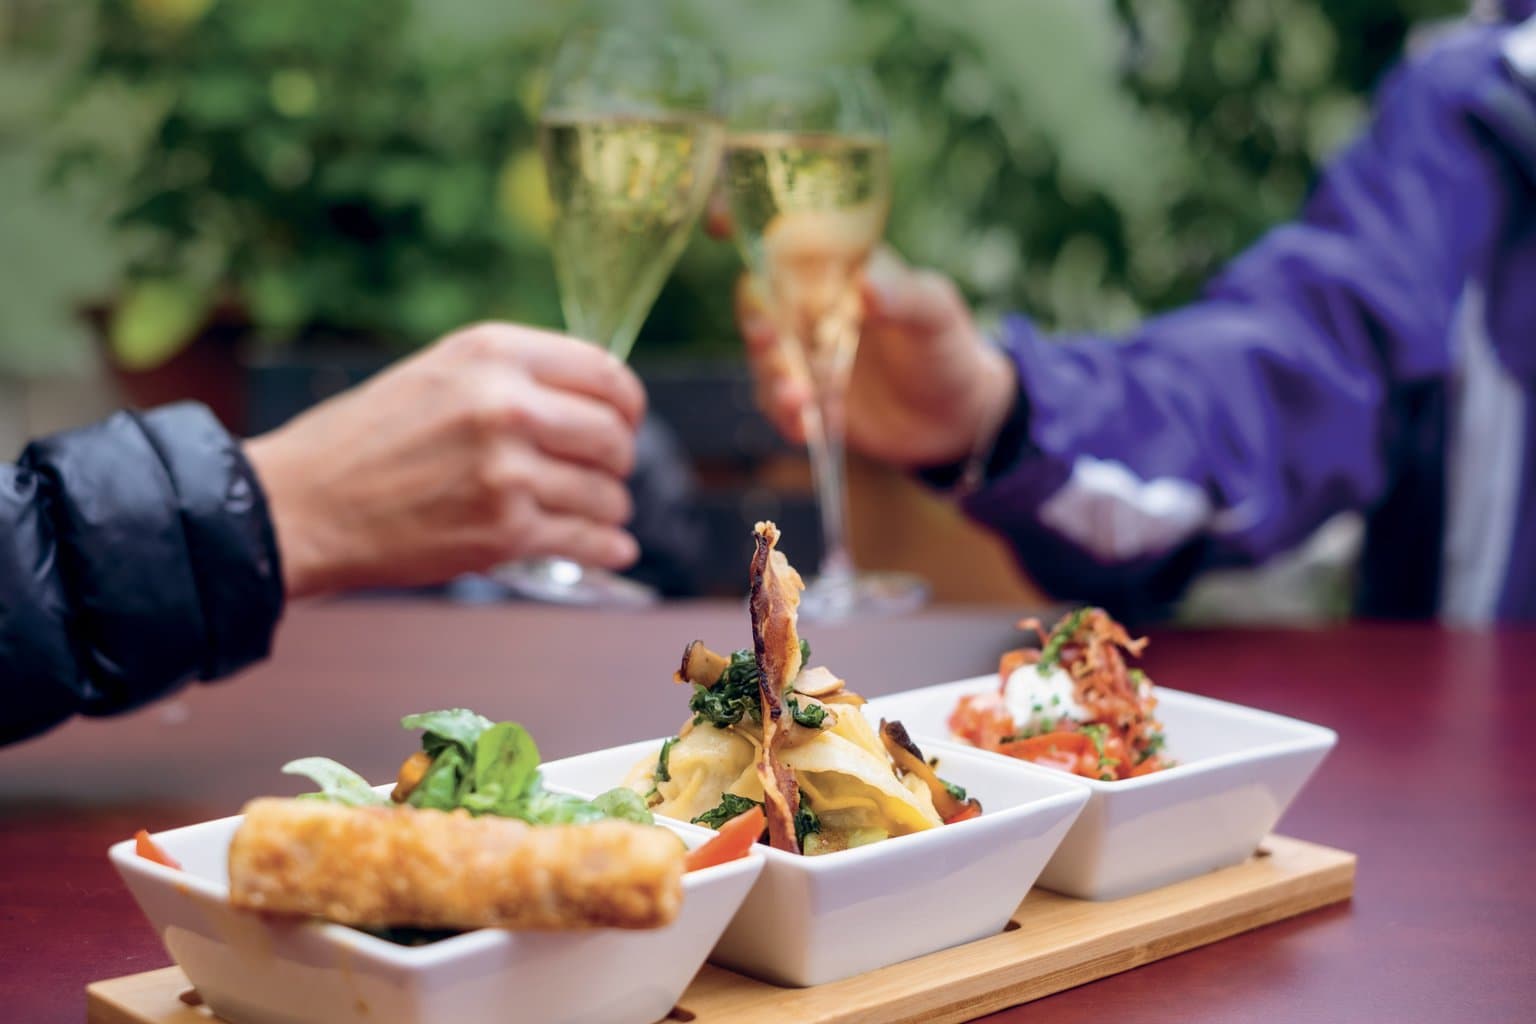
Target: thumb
x: 920, y: 301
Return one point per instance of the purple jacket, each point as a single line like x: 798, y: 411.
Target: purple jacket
x: 1377, y: 354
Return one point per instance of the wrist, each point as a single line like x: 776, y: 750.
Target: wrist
x: 999, y: 421
x: 997, y: 391
x: 297, y: 550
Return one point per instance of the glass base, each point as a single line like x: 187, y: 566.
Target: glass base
x: 561, y: 581
x: 856, y: 595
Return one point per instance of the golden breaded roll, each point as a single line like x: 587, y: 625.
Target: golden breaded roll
x: 400, y: 866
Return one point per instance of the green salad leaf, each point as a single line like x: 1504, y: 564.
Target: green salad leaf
x: 480, y: 766
x: 506, y: 763
x: 541, y: 807
x: 454, y: 725
x: 445, y: 782
x: 623, y: 804
x: 337, y: 782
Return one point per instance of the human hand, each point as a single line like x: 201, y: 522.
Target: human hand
x: 925, y: 385
x: 498, y: 442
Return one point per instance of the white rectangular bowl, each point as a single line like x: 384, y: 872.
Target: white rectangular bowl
x: 811, y: 920
x: 1238, y: 770
x: 257, y: 969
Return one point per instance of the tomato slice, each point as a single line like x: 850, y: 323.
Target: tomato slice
x: 966, y: 813
x: 1069, y: 751
x: 734, y: 840
x: 982, y: 719
x: 147, y: 848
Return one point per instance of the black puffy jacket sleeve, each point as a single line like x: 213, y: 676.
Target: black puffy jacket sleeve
x: 135, y: 554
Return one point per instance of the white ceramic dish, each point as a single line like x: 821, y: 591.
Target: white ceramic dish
x: 252, y: 969
x: 811, y: 920
x: 1238, y: 770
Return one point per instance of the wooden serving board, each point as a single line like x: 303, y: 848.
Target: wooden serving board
x: 1052, y: 943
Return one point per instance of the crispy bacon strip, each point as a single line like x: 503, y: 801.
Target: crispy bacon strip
x: 775, y: 603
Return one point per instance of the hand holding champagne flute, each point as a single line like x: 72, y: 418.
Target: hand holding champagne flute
x: 807, y: 176
x: 631, y: 135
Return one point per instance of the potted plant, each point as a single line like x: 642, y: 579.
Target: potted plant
x: 320, y: 173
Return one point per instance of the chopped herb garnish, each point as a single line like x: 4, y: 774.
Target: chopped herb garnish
x: 663, y: 773
x: 1155, y: 744
x: 958, y: 792
x: 730, y: 806
x: 1055, y: 700
x: 1098, y: 733
x: 1037, y: 707
x: 1050, y: 654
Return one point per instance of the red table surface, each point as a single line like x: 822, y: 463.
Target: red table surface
x: 1432, y: 785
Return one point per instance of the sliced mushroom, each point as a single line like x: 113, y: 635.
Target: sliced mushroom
x: 818, y: 682
x: 910, y: 759
x: 845, y: 697
x: 701, y: 665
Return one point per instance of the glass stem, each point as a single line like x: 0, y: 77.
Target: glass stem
x: 824, y: 432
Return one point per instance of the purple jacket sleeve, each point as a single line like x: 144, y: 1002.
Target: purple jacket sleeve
x: 1224, y: 432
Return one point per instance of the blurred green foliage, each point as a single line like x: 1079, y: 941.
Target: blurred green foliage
x: 366, y: 168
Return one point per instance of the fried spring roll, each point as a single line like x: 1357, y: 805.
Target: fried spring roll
x: 400, y: 866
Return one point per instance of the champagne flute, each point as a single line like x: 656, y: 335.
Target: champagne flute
x: 807, y: 176
x: 631, y: 134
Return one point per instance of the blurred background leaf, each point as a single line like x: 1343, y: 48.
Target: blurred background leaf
x: 365, y: 169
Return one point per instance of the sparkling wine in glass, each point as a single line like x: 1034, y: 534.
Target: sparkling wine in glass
x: 631, y: 134
x: 807, y: 175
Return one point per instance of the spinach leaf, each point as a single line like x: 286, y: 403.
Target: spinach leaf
x: 623, y: 804
x: 338, y: 783
x: 455, y: 725
x: 806, y: 822
x: 729, y: 806
x: 663, y: 773
x: 442, y: 787
x: 735, y: 694
x: 506, y: 762
x: 811, y: 716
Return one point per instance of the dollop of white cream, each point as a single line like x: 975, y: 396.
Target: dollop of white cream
x: 1037, y: 702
